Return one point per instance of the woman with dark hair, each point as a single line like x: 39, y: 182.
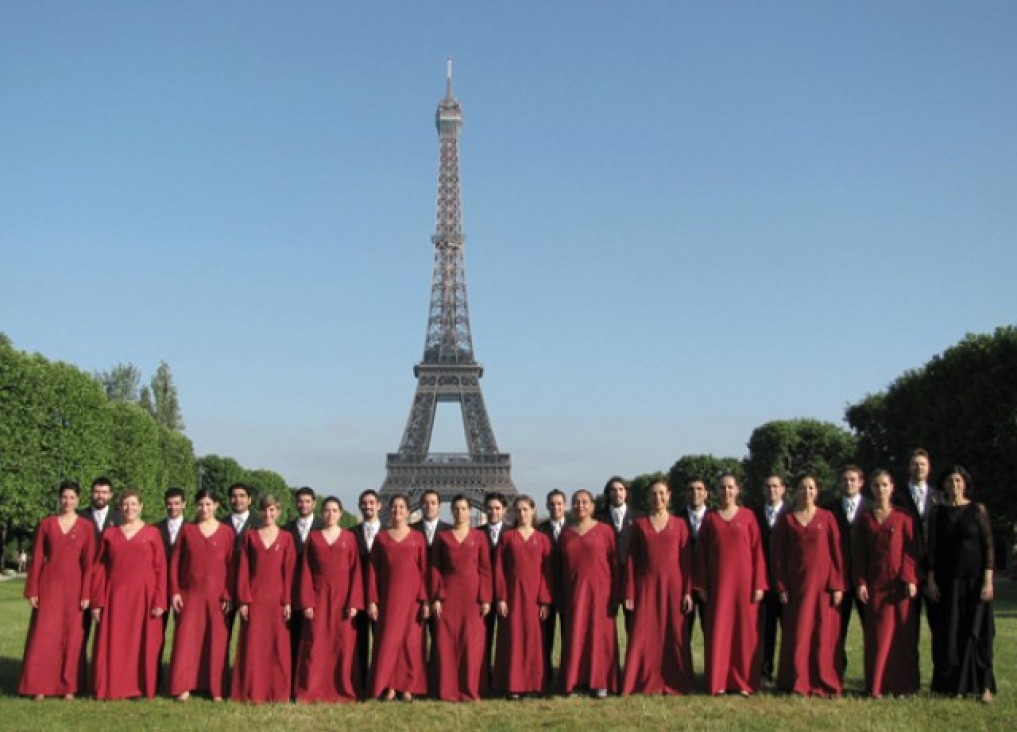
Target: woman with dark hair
x: 331, y: 594
x: 658, y: 591
x: 261, y: 671
x: 730, y: 577
x: 200, y: 581
x: 397, y: 601
x: 58, y: 588
x: 591, y: 594
x: 461, y: 599
x: 128, y: 602
x: 961, y: 562
x: 809, y: 571
x: 522, y: 588
x: 885, y: 567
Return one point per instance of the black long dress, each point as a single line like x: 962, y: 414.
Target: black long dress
x: 960, y: 551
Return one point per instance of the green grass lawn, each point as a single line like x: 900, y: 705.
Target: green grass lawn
x: 762, y: 712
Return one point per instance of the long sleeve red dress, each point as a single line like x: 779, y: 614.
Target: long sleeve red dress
x: 200, y: 572
x: 61, y: 577
x: 658, y: 575
x: 330, y: 584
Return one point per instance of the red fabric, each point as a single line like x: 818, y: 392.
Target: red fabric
x: 730, y: 567
x: 658, y: 659
x: 330, y: 584
x: 885, y: 561
x: 523, y: 576
x: 200, y: 572
x: 807, y: 565
x: 397, y: 581
x: 590, y: 580
x: 60, y: 576
x: 261, y: 671
x: 460, y: 575
x: 129, y: 581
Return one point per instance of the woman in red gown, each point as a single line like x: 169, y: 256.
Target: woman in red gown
x: 200, y: 581
x: 461, y: 591
x: 808, y: 570
x: 58, y: 588
x: 730, y: 576
x: 522, y: 587
x: 261, y: 671
x: 397, y: 601
x: 591, y: 590
x: 658, y: 592
x: 885, y: 567
x: 128, y: 599
x: 331, y: 594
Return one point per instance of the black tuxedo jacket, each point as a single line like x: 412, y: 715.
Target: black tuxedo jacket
x: 291, y: 526
x: 113, y: 518
x: 902, y: 499
x: 251, y: 523
x: 545, y: 528
x: 765, y: 534
x: 836, y: 507
x: 440, y: 526
x: 621, y: 537
x: 163, y: 527
x: 683, y: 514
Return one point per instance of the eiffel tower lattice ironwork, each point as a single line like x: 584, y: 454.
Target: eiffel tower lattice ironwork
x: 448, y: 372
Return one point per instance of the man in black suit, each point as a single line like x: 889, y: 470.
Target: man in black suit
x: 300, y: 529
x: 846, y: 510
x: 918, y: 500
x: 175, y: 500
x: 242, y: 521
x: 365, y: 533
x: 552, y: 528
x: 617, y: 514
x: 769, y: 607
x: 693, y: 514
x: 494, y: 509
x: 102, y: 515
x: 429, y: 525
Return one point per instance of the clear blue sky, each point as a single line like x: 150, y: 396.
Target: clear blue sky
x: 683, y: 219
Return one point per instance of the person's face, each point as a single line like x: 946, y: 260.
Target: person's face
x: 240, y: 501
x: 582, y: 506
x: 556, y: 507
x: 660, y: 497
x: 305, y: 505
x: 773, y: 490
x: 461, y: 513
x: 175, y: 506
x: 369, y: 507
x: 430, y: 505
x: 270, y: 514
x: 697, y: 494
x: 330, y: 514
x: 851, y: 483
x: 205, y: 509
x: 524, y: 514
x: 882, y: 488
x: 68, y: 500
x: 806, y: 492
x: 495, y: 510
x: 617, y: 493
x: 101, y: 495
x: 399, y: 511
x: 131, y: 507
x: 729, y: 491
x: 919, y: 469
x: 954, y: 486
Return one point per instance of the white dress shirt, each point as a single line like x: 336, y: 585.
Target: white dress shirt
x: 304, y: 527
x: 495, y: 532
x: 371, y: 529
x: 920, y: 495
x: 239, y: 519
x: 99, y: 516
x: 772, y: 512
x: 430, y: 527
x: 696, y: 520
x: 618, y: 516
x: 173, y: 527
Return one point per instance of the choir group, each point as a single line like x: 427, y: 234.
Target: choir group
x: 327, y: 614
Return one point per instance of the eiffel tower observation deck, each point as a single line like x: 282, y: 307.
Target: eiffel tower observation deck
x: 448, y: 372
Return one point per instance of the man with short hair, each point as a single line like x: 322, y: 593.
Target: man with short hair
x: 553, y: 528
x: 917, y: 501
x: 847, y: 510
x: 175, y: 500
x: 769, y: 607
x: 365, y: 533
x: 693, y: 514
x: 617, y: 514
x: 430, y: 523
x: 241, y: 520
x: 494, y: 509
x: 300, y: 529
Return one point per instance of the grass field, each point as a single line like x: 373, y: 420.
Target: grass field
x: 762, y: 712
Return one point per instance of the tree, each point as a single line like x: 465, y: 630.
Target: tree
x: 268, y: 481
x: 121, y: 383
x: 792, y: 447
x: 136, y: 460
x: 707, y: 467
x: 218, y: 473
x: 162, y: 400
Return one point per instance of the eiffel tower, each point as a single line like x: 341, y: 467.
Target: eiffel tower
x: 448, y: 372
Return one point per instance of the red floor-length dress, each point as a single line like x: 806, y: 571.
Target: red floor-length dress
x: 730, y: 567
x: 129, y: 581
x: 461, y: 580
x: 659, y: 574
x: 885, y: 562
x: 807, y: 565
x: 200, y: 572
x: 397, y: 582
x: 522, y: 579
x: 331, y: 584
x: 61, y: 577
x: 591, y: 591
x: 261, y: 671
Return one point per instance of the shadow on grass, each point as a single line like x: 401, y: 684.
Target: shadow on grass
x: 10, y: 672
